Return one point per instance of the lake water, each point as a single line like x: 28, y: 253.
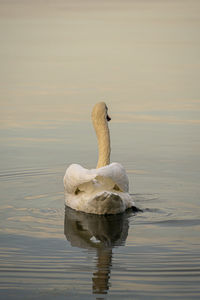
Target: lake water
x: 58, y: 58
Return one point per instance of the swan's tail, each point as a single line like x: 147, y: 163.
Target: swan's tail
x: 108, y: 203
x: 101, y: 203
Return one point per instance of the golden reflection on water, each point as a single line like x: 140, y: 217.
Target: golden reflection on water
x: 58, y: 60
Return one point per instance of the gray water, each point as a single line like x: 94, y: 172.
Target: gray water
x: 57, y: 60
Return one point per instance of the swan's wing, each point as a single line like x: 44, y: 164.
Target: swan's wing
x: 77, y: 176
x: 108, y: 178
x: 113, y: 174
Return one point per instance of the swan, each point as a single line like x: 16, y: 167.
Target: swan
x: 103, y: 190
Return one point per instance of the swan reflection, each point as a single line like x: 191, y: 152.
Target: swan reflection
x: 97, y: 232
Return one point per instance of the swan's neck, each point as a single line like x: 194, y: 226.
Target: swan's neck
x: 103, y: 137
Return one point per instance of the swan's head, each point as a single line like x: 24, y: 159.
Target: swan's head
x: 100, y: 112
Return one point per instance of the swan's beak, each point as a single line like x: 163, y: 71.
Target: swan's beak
x: 108, y: 118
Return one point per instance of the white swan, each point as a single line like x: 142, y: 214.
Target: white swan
x: 103, y: 190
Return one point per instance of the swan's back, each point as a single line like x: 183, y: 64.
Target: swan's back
x: 99, y: 191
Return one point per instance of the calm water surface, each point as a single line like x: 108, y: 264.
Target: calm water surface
x: 142, y: 58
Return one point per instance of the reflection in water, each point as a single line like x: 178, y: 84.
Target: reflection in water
x: 97, y: 232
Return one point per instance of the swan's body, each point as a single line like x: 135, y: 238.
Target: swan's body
x: 103, y: 190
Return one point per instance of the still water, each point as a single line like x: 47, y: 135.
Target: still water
x: 58, y: 60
